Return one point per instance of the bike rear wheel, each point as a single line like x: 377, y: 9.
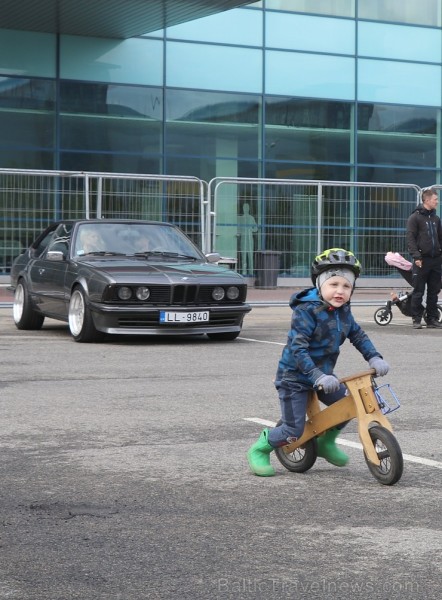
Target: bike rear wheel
x: 300, y: 460
x: 391, y: 466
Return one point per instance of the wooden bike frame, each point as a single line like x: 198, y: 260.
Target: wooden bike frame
x: 360, y: 403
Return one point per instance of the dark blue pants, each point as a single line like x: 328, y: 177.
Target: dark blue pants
x: 293, y: 399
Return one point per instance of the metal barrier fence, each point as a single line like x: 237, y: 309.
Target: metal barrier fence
x: 31, y: 200
x: 281, y: 224
x: 267, y: 228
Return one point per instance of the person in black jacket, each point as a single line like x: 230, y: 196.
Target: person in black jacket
x: 424, y: 239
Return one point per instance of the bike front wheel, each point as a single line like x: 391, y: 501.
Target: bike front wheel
x: 391, y: 466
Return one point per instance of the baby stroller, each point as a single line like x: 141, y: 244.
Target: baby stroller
x: 402, y: 300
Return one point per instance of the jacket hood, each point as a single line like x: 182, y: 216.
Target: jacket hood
x: 424, y: 211
x: 308, y: 295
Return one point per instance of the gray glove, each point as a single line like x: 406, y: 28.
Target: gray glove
x: 379, y: 365
x: 328, y: 383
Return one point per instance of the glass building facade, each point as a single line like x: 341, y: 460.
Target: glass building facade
x: 342, y: 90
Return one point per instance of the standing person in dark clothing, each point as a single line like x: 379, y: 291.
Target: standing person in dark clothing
x: 424, y: 239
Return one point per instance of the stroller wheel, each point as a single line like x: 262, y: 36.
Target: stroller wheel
x: 383, y: 316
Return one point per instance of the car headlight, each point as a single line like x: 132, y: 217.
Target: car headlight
x: 218, y: 293
x: 124, y: 293
x: 232, y: 292
x: 142, y: 293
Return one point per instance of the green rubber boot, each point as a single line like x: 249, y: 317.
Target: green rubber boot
x: 258, y: 456
x: 328, y: 449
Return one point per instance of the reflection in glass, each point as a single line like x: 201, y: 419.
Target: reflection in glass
x: 337, y: 8
x: 212, y: 124
x: 307, y: 130
x: 111, y: 118
x: 27, y: 113
x: 397, y: 135
x: 424, y: 12
x: 111, y: 163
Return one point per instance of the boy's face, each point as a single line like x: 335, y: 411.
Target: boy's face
x: 336, y: 291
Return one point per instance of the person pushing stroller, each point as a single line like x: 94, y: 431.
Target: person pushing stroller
x: 424, y: 239
x: 321, y: 321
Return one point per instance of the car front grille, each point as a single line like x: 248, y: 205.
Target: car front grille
x: 180, y: 295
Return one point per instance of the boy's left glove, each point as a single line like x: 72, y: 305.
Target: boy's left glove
x: 379, y: 365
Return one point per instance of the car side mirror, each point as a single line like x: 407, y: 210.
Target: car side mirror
x: 55, y: 255
x: 213, y: 257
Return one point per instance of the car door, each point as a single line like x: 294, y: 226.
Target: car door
x: 48, y: 271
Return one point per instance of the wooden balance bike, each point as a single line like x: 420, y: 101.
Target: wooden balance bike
x: 365, y: 402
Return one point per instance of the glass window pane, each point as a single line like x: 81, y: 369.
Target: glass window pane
x: 422, y: 12
x: 110, y: 118
x: 27, y: 112
x: 27, y: 53
x: 109, y: 163
x: 337, y: 8
x: 237, y: 26
x: 137, y: 61
x: 399, y: 83
x: 314, y: 34
x: 281, y: 170
x: 397, y: 135
x: 208, y: 168
x: 313, y: 130
x: 204, y: 123
x: 409, y: 175
x: 26, y: 159
x: 214, y: 67
x: 310, y: 75
x: 400, y: 42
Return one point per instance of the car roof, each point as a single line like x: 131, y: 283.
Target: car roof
x: 111, y: 221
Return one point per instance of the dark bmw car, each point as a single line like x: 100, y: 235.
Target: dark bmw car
x: 113, y: 276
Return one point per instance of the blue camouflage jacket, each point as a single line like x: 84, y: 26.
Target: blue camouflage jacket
x: 316, y: 334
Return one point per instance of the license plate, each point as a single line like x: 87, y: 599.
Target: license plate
x: 184, y: 317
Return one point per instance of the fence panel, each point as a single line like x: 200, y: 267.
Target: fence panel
x: 255, y: 219
x: 31, y: 200
x: 177, y: 200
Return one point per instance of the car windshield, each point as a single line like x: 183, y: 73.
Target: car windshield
x: 134, y: 239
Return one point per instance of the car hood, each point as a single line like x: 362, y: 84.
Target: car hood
x: 129, y: 268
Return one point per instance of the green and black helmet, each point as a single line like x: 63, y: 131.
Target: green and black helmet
x: 335, y: 258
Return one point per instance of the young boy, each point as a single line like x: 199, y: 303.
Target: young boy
x: 321, y: 322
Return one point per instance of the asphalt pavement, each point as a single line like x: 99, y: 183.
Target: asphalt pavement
x: 124, y: 474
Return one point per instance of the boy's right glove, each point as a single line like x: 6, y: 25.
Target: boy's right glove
x: 328, y: 383
x: 379, y: 365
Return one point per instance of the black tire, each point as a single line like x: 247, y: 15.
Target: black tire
x: 81, y: 324
x: 390, y: 454
x: 383, y: 316
x: 439, y: 314
x: 24, y: 315
x: 224, y: 337
x: 300, y: 460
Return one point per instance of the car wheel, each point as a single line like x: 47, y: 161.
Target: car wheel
x: 224, y: 337
x: 81, y: 324
x: 25, y: 317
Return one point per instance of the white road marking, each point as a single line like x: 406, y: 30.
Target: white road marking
x: 409, y: 457
x: 261, y: 341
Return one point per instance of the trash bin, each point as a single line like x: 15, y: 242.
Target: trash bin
x: 267, y: 268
